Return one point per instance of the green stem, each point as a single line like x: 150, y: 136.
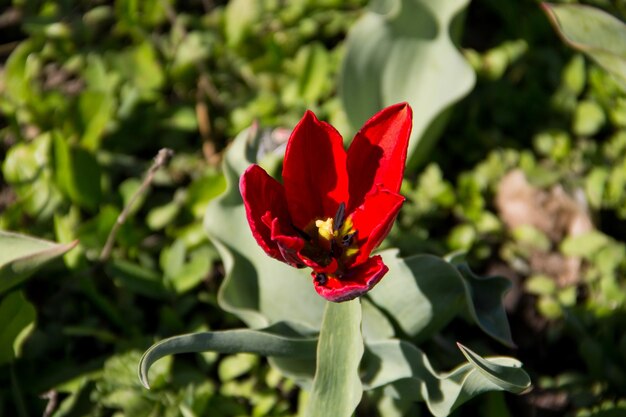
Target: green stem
x: 337, y: 388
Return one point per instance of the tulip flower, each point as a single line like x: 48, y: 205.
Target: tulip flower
x: 334, y: 207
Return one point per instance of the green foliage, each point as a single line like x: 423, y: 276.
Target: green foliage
x: 417, y: 297
x: 385, y: 49
x: 594, y: 32
x: 19, y: 321
x: 21, y: 256
x: 337, y: 388
x: 89, y: 92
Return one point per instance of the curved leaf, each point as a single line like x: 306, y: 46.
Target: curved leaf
x: 22, y: 255
x: 484, y: 295
x: 401, y: 50
x: 592, y: 31
x: 402, y: 366
x: 424, y: 292
x: 276, y: 341
x: 509, y: 376
x: 337, y: 387
x: 18, y: 319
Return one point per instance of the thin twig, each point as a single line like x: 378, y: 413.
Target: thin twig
x: 53, y: 400
x: 160, y: 160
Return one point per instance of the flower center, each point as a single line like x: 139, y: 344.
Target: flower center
x: 332, y: 238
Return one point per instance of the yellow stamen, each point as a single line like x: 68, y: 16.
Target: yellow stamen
x: 325, y: 228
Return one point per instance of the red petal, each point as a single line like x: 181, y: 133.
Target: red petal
x: 356, y: 282
x: 264, y: 200
x: 377, y: 154
x: 289, y: 246
x: 314, y: 171
x: 373, y: 220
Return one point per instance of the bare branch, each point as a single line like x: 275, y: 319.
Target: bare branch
x: 161, y: 159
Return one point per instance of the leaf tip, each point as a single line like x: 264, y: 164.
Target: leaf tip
x: 142, y: 372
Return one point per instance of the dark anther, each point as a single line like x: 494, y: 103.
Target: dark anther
x: 346, y: 240
x: 340, y: 216
x: 321, y: 278
x: 335, y: 251
x: 302, y: 233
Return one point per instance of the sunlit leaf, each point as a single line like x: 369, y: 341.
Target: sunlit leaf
x: 599, y: 35
x: 401, y: 50
x: 77, y: 173
x: 95, y: 111
x: 423, y: 293
x: 238, y: 19
x: 278, y: 340
x: 406, y: 369
x: 27, y: 168
x: 22, y: 255
x: 337, y: 388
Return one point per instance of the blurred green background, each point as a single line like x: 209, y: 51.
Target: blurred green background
x: 528, y: 176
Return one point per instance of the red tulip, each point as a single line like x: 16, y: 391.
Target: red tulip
x: 334, y: 207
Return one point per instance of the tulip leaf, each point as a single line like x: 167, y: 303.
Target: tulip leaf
x: 404, y: 367
x: 401, y: 50
x: 337, y: 388
x: 77, y: 173
x: 254, y: 286
x: 278, y: 341
x: 594, y: 32
x: 18, y: 319
x: 21, y: 255
x: 424, y: 292
x: 484, y: 301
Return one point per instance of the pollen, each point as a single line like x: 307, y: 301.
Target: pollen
x: 325, y: 228
x: 331, y: 239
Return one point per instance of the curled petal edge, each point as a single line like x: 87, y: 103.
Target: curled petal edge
x: 356, y: 282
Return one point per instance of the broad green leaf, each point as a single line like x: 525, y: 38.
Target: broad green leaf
x: 279, y: 340
x: 194, y: 48
x: 598, y: 34
x: 337, y: 388
x: 18, y: 320
x: 95, y: 110
x: 140, y: 66
x: 119, y: 388
x: 65, y: 227
x: 239, y: 17
x: 585, y: 245
x: 161, y: 216
x: 314, y: 65
x: 27, y: 168
x: 18, y: 85
x: 402, y: 366
x: 484, y: 301
x: 595, y: 185
x: 423, y: 293
x: 508, y: 376
x: 401, y: 50
x: 540, y: 285
x: 77, y: 173
x: 21, y: 255
x: 236, y: 365
x: 588, y: 118
x: 185, y: 270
